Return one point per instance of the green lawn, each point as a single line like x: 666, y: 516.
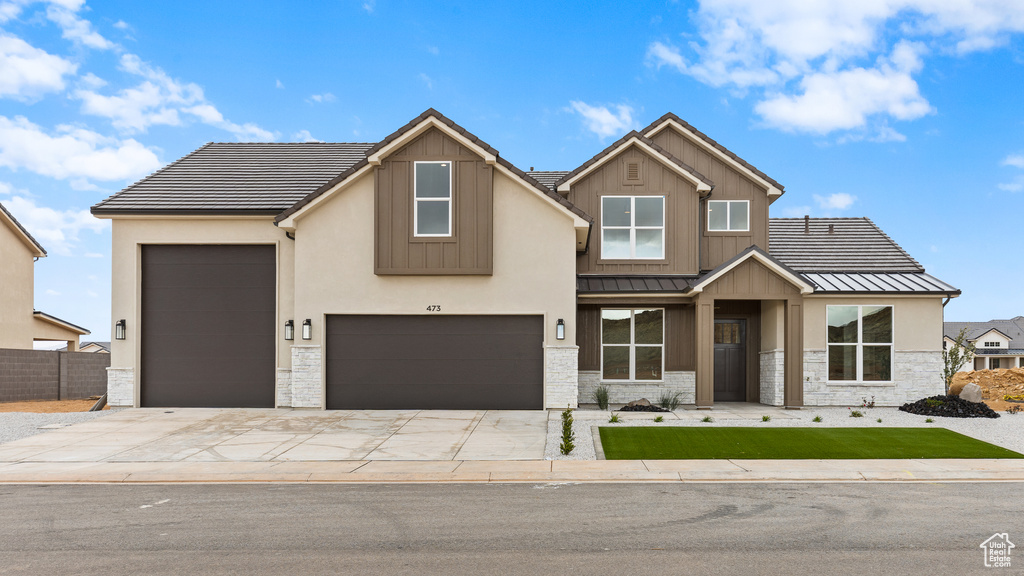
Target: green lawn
x: 686, y: 443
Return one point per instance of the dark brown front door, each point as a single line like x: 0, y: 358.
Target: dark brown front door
x: 208, y: 326
x: 730, y: 360
x: 435, y: 362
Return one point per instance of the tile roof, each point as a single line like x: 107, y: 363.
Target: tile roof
x: 10, y: 217
x: 251, y: 177
x: 1013, y: 328
x: 836, y: 245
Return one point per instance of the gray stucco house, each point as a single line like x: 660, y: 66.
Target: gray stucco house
x: 999, y: 344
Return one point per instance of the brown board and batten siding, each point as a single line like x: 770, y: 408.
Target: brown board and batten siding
x: 680, y: 348
x: 656, y: 180
x: 718, y: 247
x: 469, y: 249
x: 751, y: 280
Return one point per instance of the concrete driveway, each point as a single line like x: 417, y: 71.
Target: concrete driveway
x: 281, y: 435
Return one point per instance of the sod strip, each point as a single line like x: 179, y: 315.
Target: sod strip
x: 688, y: 443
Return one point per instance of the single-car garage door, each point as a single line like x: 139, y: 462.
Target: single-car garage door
x: 435, y: 362
x: 208, y: 326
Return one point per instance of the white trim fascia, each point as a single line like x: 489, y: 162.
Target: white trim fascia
x: 130, y: 216
x: 701, y: 186
x: 805, y: 288
x: 430, y: 122
x: 989, y: 331
x: 772, y: 190
x: 288, y: 223
x: 32, y: 246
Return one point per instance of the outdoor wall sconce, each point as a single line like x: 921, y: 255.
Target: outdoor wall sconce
x: 560, y: 329
x: 289, y: 330
x: 307, y: 329
x: 119, y: 329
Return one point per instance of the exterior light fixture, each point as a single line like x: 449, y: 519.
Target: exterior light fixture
x: 560, y: 329
x: 307, y: 329
x: 119, y: 329
x: 289, y: 330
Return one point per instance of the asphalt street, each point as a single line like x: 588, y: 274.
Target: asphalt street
x: 622, y: 529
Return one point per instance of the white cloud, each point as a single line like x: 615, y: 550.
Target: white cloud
x: 93, y: 255
x: 321, y: 98
x: 72, y: 152
x: 304, y: 136
x: 838, y: 201
x: 122, y: 25
x: 796, y: 211
x: 1015, y: 160
x: 57, y: 230
x: 279, y: 84
x: 426, y: 80
x: 52, y: 292
x: 433, y: 50
x: 602, y: 121
x: 1016, y: 185
x: 807, y: 54
x: 27, y: 72
x: 78, y: 30
x: 370, y: 5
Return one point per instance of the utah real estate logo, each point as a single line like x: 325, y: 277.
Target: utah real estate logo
x: 997, y: 550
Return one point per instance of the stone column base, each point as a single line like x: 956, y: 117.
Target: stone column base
x: 307, y: 387
x: 561, y: 376
x: 121, y: 387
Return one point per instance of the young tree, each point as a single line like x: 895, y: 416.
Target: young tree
x: 955, y: 355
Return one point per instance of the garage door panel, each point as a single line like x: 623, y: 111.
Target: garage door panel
x: 435, y: 362
x: 208, y: 326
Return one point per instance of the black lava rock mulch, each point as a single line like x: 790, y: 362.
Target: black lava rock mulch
x: 949, y: 406
x: 642, y: 408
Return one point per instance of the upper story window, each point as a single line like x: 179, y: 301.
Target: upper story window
x: 433, y: 199
x: 860, y: 343
x: 729, y: 215
x: 991, y: 344
x: 633, y: 227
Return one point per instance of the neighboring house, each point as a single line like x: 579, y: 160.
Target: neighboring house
x: 997, y: 343
x: 20, y: 324
x: 94, y: 347
x: 426, y: 271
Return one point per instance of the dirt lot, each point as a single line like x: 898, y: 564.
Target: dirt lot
x: 49, y: 406
x: 994, y: 385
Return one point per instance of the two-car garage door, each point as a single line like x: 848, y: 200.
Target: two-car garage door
x: 435, y: 362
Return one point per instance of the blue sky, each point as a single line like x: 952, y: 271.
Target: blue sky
x: 906, y: 111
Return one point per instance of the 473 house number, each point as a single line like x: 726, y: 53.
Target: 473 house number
x: 434, y: 308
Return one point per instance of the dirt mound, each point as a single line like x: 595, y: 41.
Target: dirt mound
x: 994, y: 385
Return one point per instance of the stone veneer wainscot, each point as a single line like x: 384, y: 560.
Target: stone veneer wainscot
x: 918, y: 375
x: 622, y: 392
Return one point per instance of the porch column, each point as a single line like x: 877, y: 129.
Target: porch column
x: 793, y: 395
x: 705, y: 392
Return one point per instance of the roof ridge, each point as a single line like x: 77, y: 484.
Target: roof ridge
x: 22, y: 228
x: 648, y: 142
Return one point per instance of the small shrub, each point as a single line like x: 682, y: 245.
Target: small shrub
x: 1017, y: 398
x: 766, y: 418
x: 670, y: 401
x: 614, y: 419
x: 1013, y: 409
x: 933, y: 402
x: 601, y: 397
x: 817, y: 419
x: 928, y: 420
x: 568, y: 436
x: 856, y: 414
x: 659, y: 419
x: 707, y: 419
x: 865, y: 403
x: 879, y: 420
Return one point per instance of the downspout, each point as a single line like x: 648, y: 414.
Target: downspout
x: 289, y: 235
x: 700, y: 230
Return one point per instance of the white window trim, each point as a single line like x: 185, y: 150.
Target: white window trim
x: 633, y: 228
x: 632, y: 347
x: 728, y: 214
x: 860, y: 346
x: 416, y: 201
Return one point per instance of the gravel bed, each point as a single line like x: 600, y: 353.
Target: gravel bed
x: 18, y: 425
x: 1006, y: 431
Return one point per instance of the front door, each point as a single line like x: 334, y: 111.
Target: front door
x: 730, y: 360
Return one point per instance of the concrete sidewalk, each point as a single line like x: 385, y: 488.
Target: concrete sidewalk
x: 484, y: 471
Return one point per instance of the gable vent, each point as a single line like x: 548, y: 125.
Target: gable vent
x: 632, y: 171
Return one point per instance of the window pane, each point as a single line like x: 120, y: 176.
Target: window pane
x: 650, y: 243
x: 615, y: 244
x: 649, y: 326
x: 877, y: 324
x: 650, y: 211
x: 738, y: 216
x: 616, y: 363
x: 842, y: 362
x: 432, y: 217
x: 842, y: 324
x: 615, y: 326
x: 615, y: 212
x: 648, y: 362
x: 433, y: 180
x: 878, y: 363
x: 717, y: 216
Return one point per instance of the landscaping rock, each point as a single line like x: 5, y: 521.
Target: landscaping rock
x: 950, y: 406
x: 642, y: 408
x: 640, y: 402
x: 971, y: 393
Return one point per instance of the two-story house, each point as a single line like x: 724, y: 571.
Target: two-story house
x: 998, y: 344
x: 426, y: 271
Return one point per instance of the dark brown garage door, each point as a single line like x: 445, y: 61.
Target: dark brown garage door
x: 435, y: 362
x: 208, y: 326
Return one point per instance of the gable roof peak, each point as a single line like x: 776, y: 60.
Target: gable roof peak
x: 26, y: 237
